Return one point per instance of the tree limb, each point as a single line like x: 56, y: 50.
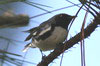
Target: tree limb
x: 68, y: 44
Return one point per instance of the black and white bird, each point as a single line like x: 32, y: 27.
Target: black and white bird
x: 49, y: 33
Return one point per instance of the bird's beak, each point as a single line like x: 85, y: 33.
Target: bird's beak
x: 74, y: 16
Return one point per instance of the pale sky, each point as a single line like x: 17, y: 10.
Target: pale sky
x: 72, y: 56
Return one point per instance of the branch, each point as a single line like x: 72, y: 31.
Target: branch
x: 53, y: 55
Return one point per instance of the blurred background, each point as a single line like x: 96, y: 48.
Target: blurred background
x: 12, y: 38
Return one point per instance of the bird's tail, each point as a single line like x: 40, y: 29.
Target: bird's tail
x: 26, y: 47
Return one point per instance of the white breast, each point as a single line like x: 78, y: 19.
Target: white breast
x: 58, y: 36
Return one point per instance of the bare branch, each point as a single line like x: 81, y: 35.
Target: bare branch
x: 53, y: 55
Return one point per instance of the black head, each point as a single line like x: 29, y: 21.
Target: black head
x: 63, y: 20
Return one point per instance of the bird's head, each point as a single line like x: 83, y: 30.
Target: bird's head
x: 63, y: 20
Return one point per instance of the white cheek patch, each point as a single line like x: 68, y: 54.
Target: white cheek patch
x: 44, y: 31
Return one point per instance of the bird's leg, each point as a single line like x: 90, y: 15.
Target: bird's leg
x: 43, y: 55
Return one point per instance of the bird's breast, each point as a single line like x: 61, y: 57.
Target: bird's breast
x: 57, y: 36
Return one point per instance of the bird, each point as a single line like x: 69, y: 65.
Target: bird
x: 50, y: 33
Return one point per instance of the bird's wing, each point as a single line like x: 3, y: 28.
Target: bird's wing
x: 31, y: 31
x: 43, y: 29
x: 38, y: 31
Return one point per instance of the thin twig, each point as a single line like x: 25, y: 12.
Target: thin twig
x: 94, y: 5
x: 92, y: 9
x: 69, y: 29
x: 52, y: 11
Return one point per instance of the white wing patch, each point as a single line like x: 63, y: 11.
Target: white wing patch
x: 34, y: 33
x: 45, y: 30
